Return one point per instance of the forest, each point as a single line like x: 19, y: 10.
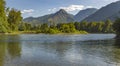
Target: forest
x: 72, y: 27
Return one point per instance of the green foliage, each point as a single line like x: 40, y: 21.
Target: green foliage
x: 108, y: 26
x: 25, y: 27
x: 72, y: 27
x: 66, y: 27
x: 3, y: 18
x: 95, y: 27
x: 116, y: 26
x: 77, y: 27
x: 53, y: 31
x: 22, y: 27
x: 14, y: 19
x: 2, y: 27
x: 83, y: 32
x: 44, y: 28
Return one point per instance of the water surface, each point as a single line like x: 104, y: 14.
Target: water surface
x: 59, y: 50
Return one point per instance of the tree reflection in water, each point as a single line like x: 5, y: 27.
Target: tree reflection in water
x: 116, y: 51
x: 117, y: 43
x: 65, y: 53
x: 7, y: 44
x: 14, y: 47
x: 2, y: 53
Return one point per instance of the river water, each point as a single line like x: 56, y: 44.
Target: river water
x: 59, y: 50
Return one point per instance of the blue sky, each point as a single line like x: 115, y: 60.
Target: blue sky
x: 42, y: 7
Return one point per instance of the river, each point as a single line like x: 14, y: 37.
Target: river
x: 59, y: 50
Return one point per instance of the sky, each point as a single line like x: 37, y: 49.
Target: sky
x: 38, y: 8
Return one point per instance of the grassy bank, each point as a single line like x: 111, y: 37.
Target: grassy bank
x: 35, y: 32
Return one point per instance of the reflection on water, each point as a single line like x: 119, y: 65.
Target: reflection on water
x: 59, y: 50
x: 14, y: 47
x: 2, y: 53
x: 116, y: 52
x: 117, y: 43
x: 8, y: 48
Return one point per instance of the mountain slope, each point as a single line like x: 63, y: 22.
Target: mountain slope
x: 59, y: 17
x: 115, y: 16
x: 84, y: 13
x: 105, y: 12
x: 38, y: 20
x: 62, y: 17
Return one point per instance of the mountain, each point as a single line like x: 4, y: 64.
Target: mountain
x: 115, y: 16
x: 38, y: 20
x: 110, y: 11
x: 84, y: 13
x: 62, y: 16
x: 59, y: 17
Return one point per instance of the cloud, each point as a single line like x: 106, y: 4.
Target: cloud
x: 111, y: 0
x: 71, y: 8
x: 53, y: 9
x: 89, y: 7
x: 28, y: 11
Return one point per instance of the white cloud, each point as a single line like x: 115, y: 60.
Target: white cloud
x: 28, y: 11
x: 53, y: 9
x: 73, y: 7
x: 89, y: 7
x: 111, y: 0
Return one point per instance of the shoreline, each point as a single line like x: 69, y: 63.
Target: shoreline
x: 33, y: 32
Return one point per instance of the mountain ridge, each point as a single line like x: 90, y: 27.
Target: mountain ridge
x: 60, y: 16
x: 84, y: 13
x: 105, y: 12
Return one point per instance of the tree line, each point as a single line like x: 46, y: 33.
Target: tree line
x: 72, y: 27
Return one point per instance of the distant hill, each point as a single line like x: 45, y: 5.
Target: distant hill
x: 59, y: 17
x: 38, y: 20
x: 111, y: 11
x: 84, y: 13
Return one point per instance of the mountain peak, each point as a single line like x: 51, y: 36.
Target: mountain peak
x: 62, y: 11
x: 60, y: 16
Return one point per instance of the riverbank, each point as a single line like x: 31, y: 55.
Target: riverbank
x: 34, y: 32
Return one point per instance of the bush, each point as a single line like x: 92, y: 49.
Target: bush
x: 38, y: 31
x: 83, y: 32
x: 53, y: 31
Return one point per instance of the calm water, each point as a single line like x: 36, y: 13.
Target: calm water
x: 59, y: 50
